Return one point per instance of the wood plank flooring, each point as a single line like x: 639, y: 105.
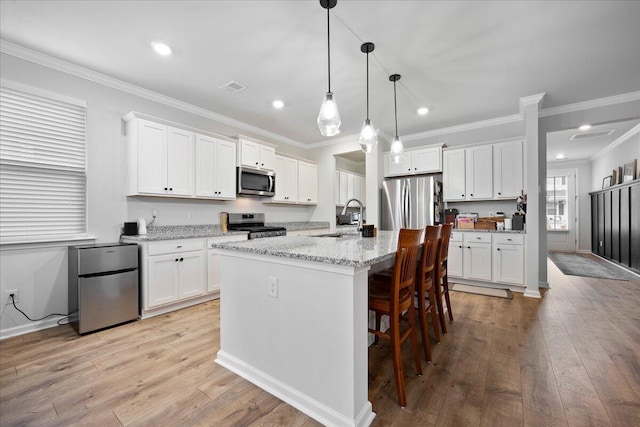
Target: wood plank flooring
x: 570, y: 359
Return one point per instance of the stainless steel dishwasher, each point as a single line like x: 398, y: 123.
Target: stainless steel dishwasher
x: 103, y: 285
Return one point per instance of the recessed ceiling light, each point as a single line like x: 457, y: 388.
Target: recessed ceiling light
x: 423, y: 111
x: 585, y: 127
x: 560, y: 157
x: 278, y: 104
x: 161, y: 48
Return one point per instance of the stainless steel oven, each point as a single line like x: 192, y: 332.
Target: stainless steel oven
x: 254, y: 182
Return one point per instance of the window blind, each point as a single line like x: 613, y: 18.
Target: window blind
x: 42, y: 167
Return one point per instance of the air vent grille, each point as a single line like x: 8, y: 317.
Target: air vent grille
x: 593, y: 134
x: 232, y: 87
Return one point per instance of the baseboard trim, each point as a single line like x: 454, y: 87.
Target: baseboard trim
x: 29, y: 327
x: 530, y: 293
x: 311, y: 407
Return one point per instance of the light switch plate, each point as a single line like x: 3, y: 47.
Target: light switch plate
x: 272, y: 287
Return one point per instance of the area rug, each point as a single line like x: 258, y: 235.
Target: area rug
x: 579, y: 265
x: 479, y: 290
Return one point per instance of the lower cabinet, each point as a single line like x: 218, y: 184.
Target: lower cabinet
x: 487, y: 257
x: 213, y: 260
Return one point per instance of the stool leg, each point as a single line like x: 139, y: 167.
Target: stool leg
x: 376, y: 340
x: 414, y: 339
x: 443, y: 324
x: 434, y: 315
x: 445, y: 282
x: 424, y: 328
x: 397, y: 358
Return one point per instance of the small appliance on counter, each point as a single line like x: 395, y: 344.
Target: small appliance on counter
x: 450, y: 216
x: 344, y: 219
x: 254, y: 224
x: 130, y: 229
x: 142, y: 227
x: 224, y: 221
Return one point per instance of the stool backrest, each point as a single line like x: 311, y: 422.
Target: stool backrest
x: 430, y: 251
x: 444, y: 243
x: 404, y: 268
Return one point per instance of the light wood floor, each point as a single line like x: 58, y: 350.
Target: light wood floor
x: 572, y: 358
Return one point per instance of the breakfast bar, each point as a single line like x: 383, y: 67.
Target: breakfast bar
x: 294, y: 318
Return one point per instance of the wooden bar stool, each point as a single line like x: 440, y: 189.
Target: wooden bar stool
x: 425, y: 286
x: 442, y: 278
x: 395, y: 296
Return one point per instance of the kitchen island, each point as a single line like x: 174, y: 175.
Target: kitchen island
x: 294, y: 318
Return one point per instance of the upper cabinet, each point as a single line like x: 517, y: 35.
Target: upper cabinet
x: 508, y: 170
x: 349, y: 186
x: 256, y: 154
x: 307, y: 183
x: 286, y: 170
x: 215, y: 168
x: 415, y: 161
x: 172, y: 161
x: 485, y: 172
x: 159, y: 159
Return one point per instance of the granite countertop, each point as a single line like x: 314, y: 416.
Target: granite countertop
x: 169, y: 232
x: 467, y: 230
x: 348, y: 250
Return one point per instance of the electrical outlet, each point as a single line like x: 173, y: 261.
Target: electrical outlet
x: 272, y: 289
x: 154, y: 213
x: 7, y: 296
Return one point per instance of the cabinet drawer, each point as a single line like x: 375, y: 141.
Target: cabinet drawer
x: 477, y: 238
x: 228, y: 238
x: 171, y: 246
x: 456, y: 236
x: 509, y: 239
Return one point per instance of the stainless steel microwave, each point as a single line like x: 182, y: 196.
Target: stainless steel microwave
x: 254, y: 182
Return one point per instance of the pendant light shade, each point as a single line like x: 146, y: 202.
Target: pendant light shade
x: 329, y: 117
x: 397, y: 149
x: 368, y: 136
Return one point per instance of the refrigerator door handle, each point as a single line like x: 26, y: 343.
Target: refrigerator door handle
x: 406, y: 205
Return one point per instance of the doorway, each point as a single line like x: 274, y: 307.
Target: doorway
x: 562, y: 210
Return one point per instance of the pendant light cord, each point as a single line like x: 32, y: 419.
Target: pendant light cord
x: 367, y: 85
x: 328, y: 51
x: 395, y: 106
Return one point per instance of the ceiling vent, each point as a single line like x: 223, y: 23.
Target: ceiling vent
x: 593, y: 134
x: 232, y: 87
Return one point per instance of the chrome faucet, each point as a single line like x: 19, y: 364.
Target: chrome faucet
x: 346, y: 205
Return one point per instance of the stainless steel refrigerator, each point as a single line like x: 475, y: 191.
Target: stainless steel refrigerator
x: 411, y: 202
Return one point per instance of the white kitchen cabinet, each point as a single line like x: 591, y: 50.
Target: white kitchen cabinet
x: 416, y: 161
x: 349, y: 186
x: 343, y: 190
x: 479, y: 173
x: 508, y: 170
x: 256, y: 155
x: 215, y: 168
x: 286, y: 170
x: 159, y: 159
x: 213, y: 259
x: 454, y: 256
x: 307, y: 183
x: 453, y: 175
x: 357, y: 187
x: 476, y: 261
x: 174, y: 276
x: 508, y: 259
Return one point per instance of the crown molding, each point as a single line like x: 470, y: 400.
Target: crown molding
x: 594, y: 103
x: 623, y: 138
x: 530, y: 100
x: 45, y: 60
x: 464, y: 127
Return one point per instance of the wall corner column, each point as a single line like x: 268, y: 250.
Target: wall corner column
x: 530, y: 109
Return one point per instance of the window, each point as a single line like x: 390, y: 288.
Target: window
x: 42, y: 165
x: 557, y: 198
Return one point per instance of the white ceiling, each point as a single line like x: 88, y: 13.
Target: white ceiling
x: 466, y: 61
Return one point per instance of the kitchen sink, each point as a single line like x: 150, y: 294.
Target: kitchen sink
x: 337, y: 235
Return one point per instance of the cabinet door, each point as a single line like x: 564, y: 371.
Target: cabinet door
x: 343, y: 184
x: 453, y: 175
x: 402, y: 168
x: 477, y: 261
x: 267, y: 157
x: 357, y: 187
x: 363, y: 190
x: 508, y: 172
x: 454, y: 259
x: 225, y: 170
x: 292, y: 181
x: 180, y: 162
x: 213, y: 271
x: 427, y: 160
x: 205, y: 166
x: 250, y: 154
x: 281, y: 188
x: 152, y: 158
x: 308, y: 183
x: 191, y: 274
x: 479, y: 173
x: 351, y: 188
x: 162, y: 279
x: 508, y: 264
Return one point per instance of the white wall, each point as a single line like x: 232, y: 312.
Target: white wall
x: 604, y: 164
x: 40, y: 274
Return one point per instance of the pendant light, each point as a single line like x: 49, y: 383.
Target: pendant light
x: 329, y: 117
x: 397, y: 149
x: 368, y: 136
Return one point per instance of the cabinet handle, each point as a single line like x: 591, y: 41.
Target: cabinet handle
x: 479, y: 238
x: 170, y: 189
x: 415, y: 169
x: 176, y: 259
x: 508, y: 240
x: 256, y: 163
x: 471, y: 194
x: 261, y: 164
x: 468, y: 247
x: 181, y: 259
x: 462, y: 195
x: 499, y: 193
x: 409, y: 169
x: 460, y: 247
x: 498, y: 248
x: 165, y: 188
